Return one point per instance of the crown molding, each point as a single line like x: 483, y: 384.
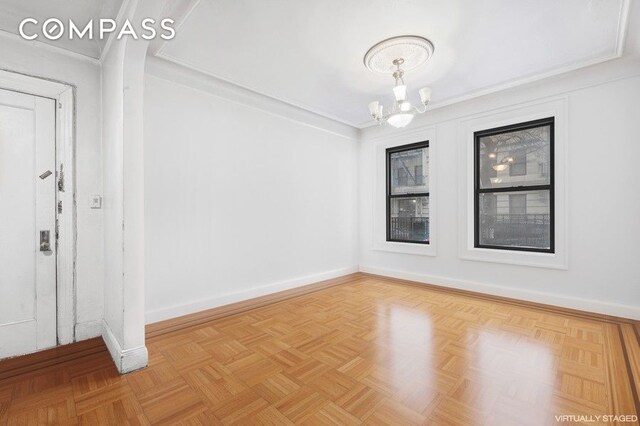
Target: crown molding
x: 48, y: 47
x: 187, y: 76
x: 180, y: 12
x: 536, y: 91
x: 200, y: 70
x: 601, y: 72
x: 616, y: 53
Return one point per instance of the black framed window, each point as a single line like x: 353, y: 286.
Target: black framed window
x: 514, y: 187
x: 408, y: 193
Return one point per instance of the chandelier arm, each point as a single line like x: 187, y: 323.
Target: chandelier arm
x: 420, y: 111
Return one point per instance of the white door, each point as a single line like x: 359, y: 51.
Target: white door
x: 27, y: 207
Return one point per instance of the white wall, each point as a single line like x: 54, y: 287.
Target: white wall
x: 239, y: 202
x: 603, y: 197
x: 84, y: 74
x: 123, y: 75
x: 112, y: 163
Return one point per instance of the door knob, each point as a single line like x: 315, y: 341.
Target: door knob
x: 44, y: 241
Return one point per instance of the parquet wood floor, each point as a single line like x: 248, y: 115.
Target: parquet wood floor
x: 367, y: 351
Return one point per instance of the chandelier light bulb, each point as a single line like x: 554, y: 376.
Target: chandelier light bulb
x: 373, y: 108
x: 400, y: 92
x: 425, y: 95
x: 405, y: 106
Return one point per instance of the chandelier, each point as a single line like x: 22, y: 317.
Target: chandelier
x: 395, y: 56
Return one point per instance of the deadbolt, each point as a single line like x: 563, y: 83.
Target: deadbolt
x: 44, y: 241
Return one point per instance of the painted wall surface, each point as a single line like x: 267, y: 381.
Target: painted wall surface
x: 112, y: 163
x: 84, y: 74
x: 239, y: 202
x: 603, y: 198
x: 123, y: 74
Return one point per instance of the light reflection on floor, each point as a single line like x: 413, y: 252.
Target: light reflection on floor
x: 477, y: 370
x: 406, y: 351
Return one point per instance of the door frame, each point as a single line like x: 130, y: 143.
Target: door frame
x: 64, y: 95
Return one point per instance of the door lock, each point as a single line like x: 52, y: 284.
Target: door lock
x: 44, y: 241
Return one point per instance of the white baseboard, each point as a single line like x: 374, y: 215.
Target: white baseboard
x: 126, y: 360
x: 596, y: 306
x: 201, y: 305
x: 88, y: 330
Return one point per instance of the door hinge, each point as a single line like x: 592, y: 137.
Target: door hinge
x: 57, y: 232
x: 61, y: 179
x: 59, y: 207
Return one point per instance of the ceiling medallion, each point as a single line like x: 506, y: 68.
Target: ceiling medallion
x: 395, y: 56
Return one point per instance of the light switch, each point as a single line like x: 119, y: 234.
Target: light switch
x: 95, y: 202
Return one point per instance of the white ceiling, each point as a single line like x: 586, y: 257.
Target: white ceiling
x: 12, y: 12
x: 309, y: 53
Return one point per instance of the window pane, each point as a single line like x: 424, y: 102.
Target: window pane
x: 408, y: 171
x: 521, y: 157
x: 515, y: 219
x: 409, y: 219
x: 518, y: 204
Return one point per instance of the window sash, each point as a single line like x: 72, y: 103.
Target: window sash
x: 518, y: 188
x: 390, y: 196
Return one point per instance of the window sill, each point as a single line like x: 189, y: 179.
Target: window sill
x: 513, y: 257
x: 406, y: 248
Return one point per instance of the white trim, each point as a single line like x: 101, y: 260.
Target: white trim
x: 88, y: 330
x: 172, y: 69
x: 120, y: 18
x: 379, y: 207
x: 134, y: 359
x: 198, y: 80
x: 623, y: 24
x: 63, y: 95
x: 127, y: 360
x: 180, y: 12
x: 31, y: 85
x: 67, y: 219
x: 557, y: 108
x: 225, y: 299
x: 50, y: 47
x: 588, y: 305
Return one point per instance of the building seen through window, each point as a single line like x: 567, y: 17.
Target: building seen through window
x: 514, y: 187
x: 408, y: 193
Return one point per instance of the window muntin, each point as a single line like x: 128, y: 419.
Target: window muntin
x: 514, y: 208
x: 408, y: 193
